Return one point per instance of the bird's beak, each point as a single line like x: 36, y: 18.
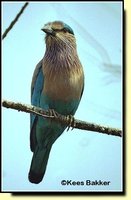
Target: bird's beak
x: 48, y: 30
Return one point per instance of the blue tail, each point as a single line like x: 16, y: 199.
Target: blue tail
x: 38, y: 164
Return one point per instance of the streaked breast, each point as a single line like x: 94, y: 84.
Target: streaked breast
x: 62, y: 83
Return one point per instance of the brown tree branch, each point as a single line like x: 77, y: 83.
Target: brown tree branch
x: 14, y: 21
x: 62, y: 119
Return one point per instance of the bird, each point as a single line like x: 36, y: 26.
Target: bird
x: 57, y: 84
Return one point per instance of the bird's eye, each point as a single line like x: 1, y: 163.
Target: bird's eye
x: 54, y: 29
x: 64, y: 30
x: 60, y: 30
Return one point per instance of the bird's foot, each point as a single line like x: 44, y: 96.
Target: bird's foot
x: 52, y: 113
x: 71, y: 121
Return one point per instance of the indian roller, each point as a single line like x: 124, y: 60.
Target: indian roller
x: 57, y: 84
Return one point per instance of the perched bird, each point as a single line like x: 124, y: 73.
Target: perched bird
x: 57, y: 83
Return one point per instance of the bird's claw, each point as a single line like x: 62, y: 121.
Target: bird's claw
x: 70, y: 118
x: 71, y: 121
x: 52, y: 113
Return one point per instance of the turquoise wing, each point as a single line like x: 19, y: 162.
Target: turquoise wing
x: 36, y: 89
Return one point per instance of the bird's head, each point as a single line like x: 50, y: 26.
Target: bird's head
x: 59, y: 33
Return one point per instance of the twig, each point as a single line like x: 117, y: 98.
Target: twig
x: 62, y: 119
x: 14, y: 21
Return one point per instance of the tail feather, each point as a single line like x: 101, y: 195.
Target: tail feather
x: 38, y: 164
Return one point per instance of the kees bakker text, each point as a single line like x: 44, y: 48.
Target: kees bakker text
x: 86, y: 182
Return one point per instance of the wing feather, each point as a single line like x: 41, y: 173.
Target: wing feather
x: 36, y: 89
